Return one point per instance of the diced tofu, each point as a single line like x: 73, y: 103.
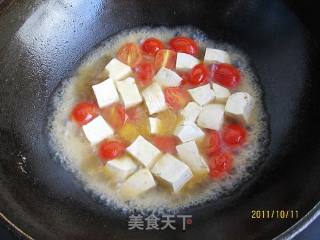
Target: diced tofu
x: 187, y: 131
x: 154, y: 124
x: 203, y: 94
x: 97, y: 130
x: 121, y: 168
x: 117, y: 70
x: 240, y: 105
x: 129, y: 92
x: 189, y: 154
x: 191, y: 111
x: 216, y: 55
x: 138, y: 183
x: 221, y: 93
x: 167, y: 78
x: 106, y: 93
x: 211, y: 116
x: 154, y: 98
x: 172, y: 171
x: 144, y: 151
x: 186, y: 61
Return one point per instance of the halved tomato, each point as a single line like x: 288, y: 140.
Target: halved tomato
x: 234, y: 135
x: 220, y: 165
x: 184, y: 45
x: 226, y: 74
x: 213, y: 142
x: 110, y: 149
x: 199, y: 74
x: 152, y: 45
x: 144, y: 73
x: 166, y: 144
x: 130, y: 54
x: 115, y: 115
x: 165, y: 58
x: 176, y: 97
x: 84, y: 112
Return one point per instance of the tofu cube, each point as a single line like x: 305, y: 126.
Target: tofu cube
x: 129, y: 92
x: 154, y: 98
x: 191, y: 111
x: 240, y: 105
x: 172, y: 171
x: 121, y: 168
x: 138, y: 183
x: 215, y: 55
x: 221, y: 93
x: 106, y: 93
x: 154, y: 124
x: 144, y: 151
x: 186, y: 61
x: 189, y: 154
x: 97, y: 130
x: 167, y: 78
x: 211, y: 116
x: 117, y: 70
x: 203, y: 94
x: 187, y: 131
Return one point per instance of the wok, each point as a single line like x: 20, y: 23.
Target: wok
x: 43, y: 42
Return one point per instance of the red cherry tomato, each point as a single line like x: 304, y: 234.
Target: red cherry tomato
x: 152, y: 45
x: 115, y: 115
x: 184, y: 45
x: 84, y: 112
x: 199, y: 74
x: 226, y: 75
x: 166, y: 144
x: 110, y: 149
x: 220, y: 165
x: 130, y: 54
x: 165, y: 58
x: 213, y: 142
x: 144, y: 73
x: 234, y: 135
x: 136, y: 114
x: 176, y: 97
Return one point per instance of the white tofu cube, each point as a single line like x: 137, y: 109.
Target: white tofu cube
x: 186, y: 61
x: 187, y: 131
x: 154, y: 124
x: 191, y: 111
x: 129, y: 92
x: 221, y: 93
x: 121, y: 168
x: 240, y: 105
x: 167, y: 78
x: 215, y: 55
x: 173, y: 171
x: 154, y: 98
x: 144, y: 151
x: 202, y: 95
x: 211, y: 116
x: 189, y: 154
x: 138, y: 183
x: 106, y: 93
x: 118, y: 70
x: 97, y: 130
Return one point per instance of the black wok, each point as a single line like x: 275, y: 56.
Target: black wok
x: 41, y: 44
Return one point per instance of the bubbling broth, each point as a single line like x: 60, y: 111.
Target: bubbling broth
x: 79, y: 156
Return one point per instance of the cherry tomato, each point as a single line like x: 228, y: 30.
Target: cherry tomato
x: 165, y: 58
x: 152, y: 45
x: 199, y: 74
x: 115, y: 115
x: 166, y: 144
x: 176, y: 97
x: 213, y: 142
x: 84, y: 112
x: 234, y: 135
x: 226, y: 75
x: 110, y: 149
x: 184, y: 45
x: 130, y: 54
x: 220, y: 165
x: 136, y: 114
x: 144, y: 73
x: 185, y: 82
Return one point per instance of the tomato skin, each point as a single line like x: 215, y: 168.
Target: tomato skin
x: 166, y: 144
x: 213, y: 142
x: 110, y: 149
x: 220, y: 165
x: 115, y: 115
x: 199, y: 74
x: 176, y: 97
x: 165, y: 58
x: 226, y: 74
x: 184, y: 45
x: 152, y: 45
x: 144, y: 73
x: 130, y: 54
x: 84, y: 112
x: 234, y: 135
